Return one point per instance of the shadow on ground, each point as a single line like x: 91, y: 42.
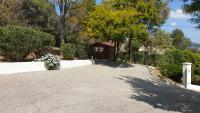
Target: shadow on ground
x: 113, y: 64
x: 162, y: 96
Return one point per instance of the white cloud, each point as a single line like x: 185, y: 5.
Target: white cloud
x: 173, y: 24
x: 179, y: 14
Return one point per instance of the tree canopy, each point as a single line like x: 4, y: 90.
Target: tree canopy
x: 193, y: 7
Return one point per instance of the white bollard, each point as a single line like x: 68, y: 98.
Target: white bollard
x: 92, y: 59
x: 187, y: 74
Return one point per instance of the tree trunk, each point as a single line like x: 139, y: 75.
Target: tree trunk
x: 62, y: 29
x: 114, y: 53
x: 117, y: 53
x: 130, y: 50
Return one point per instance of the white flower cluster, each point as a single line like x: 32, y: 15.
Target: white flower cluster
x: 51, y: 62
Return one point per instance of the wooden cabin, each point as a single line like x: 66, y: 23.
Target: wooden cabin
x: 103, y: 50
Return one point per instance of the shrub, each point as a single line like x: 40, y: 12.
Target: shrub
x: 51, y: 62
x: 81, y: 52
x: 17, y: 42
x: 44, y: 44
x: 68, y: 51
x: 172, y: 71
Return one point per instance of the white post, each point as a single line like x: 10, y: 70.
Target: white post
x: 187, y: 74
x: 92, y: 59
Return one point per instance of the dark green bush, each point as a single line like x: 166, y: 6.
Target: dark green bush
x: 17, y: 42
x: 81, y: 52
x: 44, y: 44
x: 172, y: 71
x: 68, y: 51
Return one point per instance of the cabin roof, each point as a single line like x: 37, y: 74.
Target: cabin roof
x: 108, y: 44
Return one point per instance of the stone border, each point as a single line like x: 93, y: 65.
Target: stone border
x: 21, y: 67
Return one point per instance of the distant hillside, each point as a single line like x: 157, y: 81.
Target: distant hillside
x: 195, y: 45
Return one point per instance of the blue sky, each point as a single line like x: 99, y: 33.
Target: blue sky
x: 178, y: 19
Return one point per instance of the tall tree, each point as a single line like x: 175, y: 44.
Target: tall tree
x: 64, y: 6
x: 106, y: 23
x: 152, y: 13
x: 75, y: 23
x: 37, y: 13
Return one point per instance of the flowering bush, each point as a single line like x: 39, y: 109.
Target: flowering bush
x: 51, y: 62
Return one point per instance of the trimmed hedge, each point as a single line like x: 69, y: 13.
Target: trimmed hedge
x: 17, y: 42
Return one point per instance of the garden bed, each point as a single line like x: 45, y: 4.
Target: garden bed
x: 21, y: 67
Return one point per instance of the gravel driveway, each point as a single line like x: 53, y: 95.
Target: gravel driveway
x: 101, y: 88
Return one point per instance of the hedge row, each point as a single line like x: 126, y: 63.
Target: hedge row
x: 17, y: 42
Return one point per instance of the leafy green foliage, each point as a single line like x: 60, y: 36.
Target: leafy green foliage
x: 17, y: 42
x: 137, y: 17
x: 106, y: 23
x: 151, y: 12
x: 68, y: 51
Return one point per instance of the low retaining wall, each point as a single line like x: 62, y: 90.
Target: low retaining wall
x: 20, y: 67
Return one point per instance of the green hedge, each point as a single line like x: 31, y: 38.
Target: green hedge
x: 17, y: 42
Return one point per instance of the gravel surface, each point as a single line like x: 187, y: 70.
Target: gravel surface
x: 100, y: 88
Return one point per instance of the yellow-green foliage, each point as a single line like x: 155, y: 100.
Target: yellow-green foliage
x: 106, y: 23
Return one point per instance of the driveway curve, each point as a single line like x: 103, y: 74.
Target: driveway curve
x: 99, y: 88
